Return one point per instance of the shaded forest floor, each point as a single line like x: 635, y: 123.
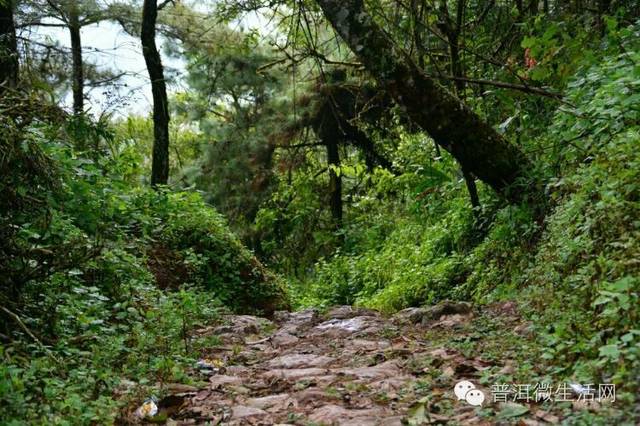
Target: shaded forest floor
x: 352, y: 366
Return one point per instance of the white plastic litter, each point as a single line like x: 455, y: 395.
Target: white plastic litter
x: 210, y: 366
x: 149, y: 408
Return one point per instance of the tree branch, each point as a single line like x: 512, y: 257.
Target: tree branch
x: 505, y: 85
x: 17, y: 319
x: 164, y: 4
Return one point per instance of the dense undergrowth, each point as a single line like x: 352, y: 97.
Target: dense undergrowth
x: 111, y: 276
x: 574, y: 269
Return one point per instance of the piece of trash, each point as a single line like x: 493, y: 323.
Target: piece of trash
x: 210, y: 366
x: 149, y: 408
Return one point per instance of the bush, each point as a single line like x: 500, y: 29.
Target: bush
x: 214, y: 256
x: 84, y: 251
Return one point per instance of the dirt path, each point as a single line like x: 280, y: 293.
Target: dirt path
x: 347, y: 366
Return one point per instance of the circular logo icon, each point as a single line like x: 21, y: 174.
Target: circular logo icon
x: 461, y: 389
x: 465, y: 390
x: 474, y: 397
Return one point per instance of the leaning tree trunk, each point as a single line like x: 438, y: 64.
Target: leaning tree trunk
x: 474, y: 143
x: 160, y: 160
x: 76, y: 58
x: 8, y: 47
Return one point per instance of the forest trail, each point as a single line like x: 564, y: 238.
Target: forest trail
x: 347, y: 366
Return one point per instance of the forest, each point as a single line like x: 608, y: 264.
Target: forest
x: 320, y: 212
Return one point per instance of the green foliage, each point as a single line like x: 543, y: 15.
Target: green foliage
x: 295, y: 220
x: 82, y: 265
x: 217, y: 259
x: 575, y: 272
x: 586, y: 266
x: 101, y: 345
x: 237, y: 109
x: 397, y: 257
x: 134, y: 142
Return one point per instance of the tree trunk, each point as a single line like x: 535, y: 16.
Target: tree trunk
x: 603, y: 9
x: 475, y: 144
x: 470, y: 181
x: 372, y: 157
x: 453, y: 36
x: 417, y: 13
x: 160, y: 161
x: 335, y: 183
x: 8, y: 46
x: 76, y: 57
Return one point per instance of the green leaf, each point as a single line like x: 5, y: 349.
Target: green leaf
x: 611, y: 22
x: 528, y: 42
x: 623, y: 284
x: 418, y: 414
x: 539, y: 73
x: 610, y: 351
x: 512, y: 410
x: 601, y: 300
x: 550, y: 32
x: 627, y: 337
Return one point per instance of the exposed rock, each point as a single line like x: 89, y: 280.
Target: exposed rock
x: 508, y: 308
x: 306, y: 316
x: 446, y: 307
x: 314, y: 397
x: 353, y: 368
x: 391, y: 384
x: 409, y: 315
x: 367, y: 345
x: 297, y: 321
x: 296, y: 373
x: 237, y: 389
x: 346, y: 312
x: 245, y: 412
x: 300, y: 361
x: 330, y: 414
x: 281, y: 316
x: 242, y: 324
x: 177, y: 388
x: 270, y: 402
x: 427, y: 314
x: 391, y: 421
x: 450, y: 321
x: 222, y: 380
x: 380, y: 371
x: 284, y: 339
x: 339, y: 327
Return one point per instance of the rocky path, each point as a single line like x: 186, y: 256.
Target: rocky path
x: 347, y: 366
